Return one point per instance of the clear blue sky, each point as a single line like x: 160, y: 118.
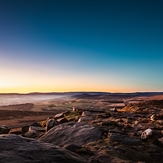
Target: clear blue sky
x: 81, y: 45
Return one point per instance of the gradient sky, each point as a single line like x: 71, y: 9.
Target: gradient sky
x: 81, y: 45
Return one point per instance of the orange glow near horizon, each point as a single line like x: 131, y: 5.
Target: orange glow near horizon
x: 29, y: 84
x: 93, y: 52
x: 26, y: 80
x: 60, y: 89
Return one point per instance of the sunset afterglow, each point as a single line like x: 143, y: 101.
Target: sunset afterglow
x: 81, y: 46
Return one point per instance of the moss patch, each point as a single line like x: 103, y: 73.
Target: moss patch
x: 71, y: 116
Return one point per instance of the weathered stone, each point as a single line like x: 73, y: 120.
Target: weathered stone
x: 4, y: 129
x: 130, y: 108
x: 36, y: 124
x: 160, y: 122
x: 25, y: 129
x: 37, y: 129
x: 17, y: 131
x: 59, y: 115
x: 31, y: 134
x: 85, y: 118
x: 116, y: 137
x: 51, y: 123
x: 72, y: 133
x: 146, y: 134
x: 153, y: 117
x: 62, y: 120
x: 114, y: 109
x: 16, y: 149
x: 34, y: 132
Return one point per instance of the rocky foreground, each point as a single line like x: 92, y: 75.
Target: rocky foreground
x: 133, y: 134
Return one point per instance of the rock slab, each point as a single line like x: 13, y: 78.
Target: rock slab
x: 72, y: 133
x: 14, y: 149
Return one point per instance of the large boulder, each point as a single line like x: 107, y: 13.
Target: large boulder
x: 72, y: 133
x: 51, y: 123
x: 34, y: 132
x: 16, y: 149
x: 130, y: 108
x: 4, y: 129
x: 147, y: 133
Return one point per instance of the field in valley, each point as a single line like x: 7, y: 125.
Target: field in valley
x: 19, y: 110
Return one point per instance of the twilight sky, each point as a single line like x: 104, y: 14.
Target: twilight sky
x: 81, y: 45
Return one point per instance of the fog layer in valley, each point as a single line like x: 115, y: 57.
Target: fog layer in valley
x: 21, y: 99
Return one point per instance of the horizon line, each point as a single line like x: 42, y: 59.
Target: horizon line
x: 26, y: 93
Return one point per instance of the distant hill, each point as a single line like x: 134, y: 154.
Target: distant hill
x: 88, y: 93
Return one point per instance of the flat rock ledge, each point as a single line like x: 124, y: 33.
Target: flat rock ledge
x: 14, y: 149
x: 72, y: 133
